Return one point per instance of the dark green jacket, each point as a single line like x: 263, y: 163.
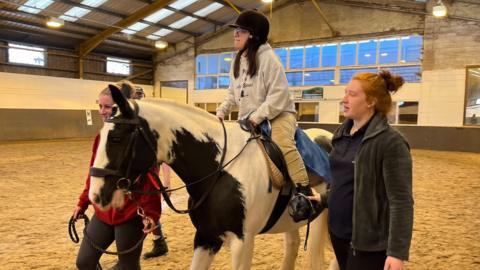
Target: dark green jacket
x: 382, y: 202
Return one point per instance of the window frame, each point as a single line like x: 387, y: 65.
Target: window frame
x: 43, y: 50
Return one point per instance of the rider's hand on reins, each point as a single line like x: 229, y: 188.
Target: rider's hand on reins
x: 315, y: 197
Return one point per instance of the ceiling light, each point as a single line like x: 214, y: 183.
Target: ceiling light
x: 439, y: 10
x: 267, y: 1
x: 384, y: 54
x: 55, y: 22
x: 227, y: 59
x: 367, y: 55
x: 161, y: 44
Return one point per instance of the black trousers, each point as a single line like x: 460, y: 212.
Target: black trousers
x: 126, y: 235
x: 358, y: 260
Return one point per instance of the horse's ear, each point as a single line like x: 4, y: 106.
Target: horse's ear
x: 121, y: 101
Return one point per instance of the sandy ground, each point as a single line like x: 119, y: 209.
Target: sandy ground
x: 40, y: 183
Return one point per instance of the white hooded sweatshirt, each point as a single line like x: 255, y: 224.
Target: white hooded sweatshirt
x: 265, y: 95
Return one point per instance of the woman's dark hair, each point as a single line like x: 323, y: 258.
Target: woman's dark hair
x: 251, y: 48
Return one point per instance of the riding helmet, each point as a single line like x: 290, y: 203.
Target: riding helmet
x: 255, y: 22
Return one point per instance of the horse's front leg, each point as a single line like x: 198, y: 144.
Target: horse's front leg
x: 291, y: 241
x: 242, y: 251
x: 205, y: 250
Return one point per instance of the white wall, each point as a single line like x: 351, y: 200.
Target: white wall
x: 22, y: 91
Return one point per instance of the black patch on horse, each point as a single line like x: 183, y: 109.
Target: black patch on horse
x: 223, y: 210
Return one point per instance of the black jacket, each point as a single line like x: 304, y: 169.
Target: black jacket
x: 383, y: 202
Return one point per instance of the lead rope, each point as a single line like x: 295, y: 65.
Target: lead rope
x: 72, y: 231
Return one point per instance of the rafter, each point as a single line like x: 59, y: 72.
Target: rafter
x: 123, y: 16
x: 186, y: 13
x: 88, y: 45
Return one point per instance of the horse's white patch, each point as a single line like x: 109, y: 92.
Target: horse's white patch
x: 101, y: 161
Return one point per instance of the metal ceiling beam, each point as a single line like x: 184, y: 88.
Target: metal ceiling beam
x: 88, y: 45
x: 230, y: 4
x: 40, y: 29
x: 124, y: 16
x: 186, y: 13
x: 320, y: 11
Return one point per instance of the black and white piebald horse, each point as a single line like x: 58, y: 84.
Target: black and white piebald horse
x: 195, y: 144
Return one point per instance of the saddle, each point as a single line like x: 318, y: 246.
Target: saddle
x: 277, y: 167
x: 315, y: 159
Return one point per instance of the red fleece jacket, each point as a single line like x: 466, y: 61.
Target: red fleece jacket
x: 150, y: 203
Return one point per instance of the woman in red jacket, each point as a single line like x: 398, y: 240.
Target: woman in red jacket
x: 124, y: 226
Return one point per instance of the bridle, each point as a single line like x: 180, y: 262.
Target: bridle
x: 126, y: 184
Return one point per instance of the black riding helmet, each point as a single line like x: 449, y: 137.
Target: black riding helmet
x: 255, y: 22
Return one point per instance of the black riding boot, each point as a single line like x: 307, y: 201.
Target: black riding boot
x: 160, y: 248
x: 300, y: 207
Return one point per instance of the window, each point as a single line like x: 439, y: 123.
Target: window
x: 409, y: 73
x: 294, y: 78
x: 325, y: 77
x: 118, y: 66
x: 212, y: 70
x: 225, y: 62
x: 202, y: 64
x: 312, y: 56
x: 296, y: 57
x: 329, y: 55
x: 411, y: 49
x: 282, y: 55
x: 212, y: 64
x: 472, y: 97
x: 223, y: 82
x: 26, y: 54
x: 327, y: 64
x: 388, y: 51
x: 347, y: 53
x: 367, y: 52
x: 347, y: 74
x: 209, y: 82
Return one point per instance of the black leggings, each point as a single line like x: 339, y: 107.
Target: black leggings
x: 126, y: 235
x: 360, y: 260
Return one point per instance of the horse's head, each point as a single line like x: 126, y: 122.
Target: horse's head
x: 126, y: 150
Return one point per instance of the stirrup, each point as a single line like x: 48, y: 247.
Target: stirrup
x: 300, y: 207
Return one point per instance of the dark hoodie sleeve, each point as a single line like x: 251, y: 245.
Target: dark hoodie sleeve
x: 397, y: 173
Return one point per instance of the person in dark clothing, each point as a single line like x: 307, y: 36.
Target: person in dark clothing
x: 370, y: 200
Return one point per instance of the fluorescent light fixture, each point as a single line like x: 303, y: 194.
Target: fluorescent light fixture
x: 208, y: 9
x: 439, y: 10
x: 161, y: 44
x: 367, y: 55
x: 227, y: 59
x: 306, y: 74
x: 267, y: 1
x: 159, y: 15
x: 477, y: 101
x: 183, y: 22
x: 35, y: 6
x: 384, y: 54
x: 180, y: 4
x: 55, y: 22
